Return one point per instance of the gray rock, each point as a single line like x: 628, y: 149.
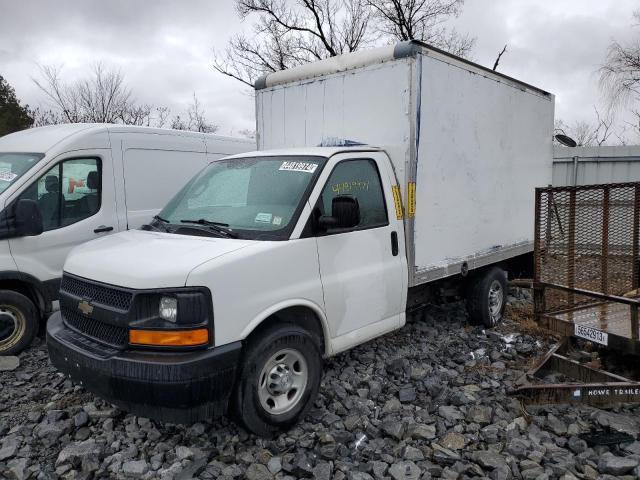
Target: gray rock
x: 556, y: 425
x: 274, y: 465
x: 184, y: 453
x: 359, y: 476
x: 412, y: 453
x: 404, y: 471
x: 257, y: 471
x: 8, y: 451
x: 17, y: 468
x: 453, y: 441
x: 421, y: 431
x: 391, y: 406
x: 620, y: 423
x: 135, y: 468
x: 81, y: 419
x: 322, y: 471
x: 394, y: 429
x: 380, y: 469
x: 480, y: 414
x: 613, y: 465
x: 407, y: 394
x: 450, y: 413
x: 519, y: 447
x: 488, y: 459
x: 9, y: 363
x: 577, y: 445
x: 78, y: 452
x: 301, y: 466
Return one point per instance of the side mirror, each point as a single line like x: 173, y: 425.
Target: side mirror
x: 345, y: 213
x: 28, y: 218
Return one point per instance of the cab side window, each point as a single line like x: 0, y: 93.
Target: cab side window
x: 69, y: 192
x: 359, y: 179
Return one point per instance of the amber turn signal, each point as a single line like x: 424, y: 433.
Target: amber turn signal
x: 169, y: 338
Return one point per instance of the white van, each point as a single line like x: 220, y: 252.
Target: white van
x: 268, y: 261
x: 81, y: 182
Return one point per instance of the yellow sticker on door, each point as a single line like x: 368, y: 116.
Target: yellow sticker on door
x: 397, y: 200
x: 411, y: 200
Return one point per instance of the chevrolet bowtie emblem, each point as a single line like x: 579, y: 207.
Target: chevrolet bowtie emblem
x: 85, y: 307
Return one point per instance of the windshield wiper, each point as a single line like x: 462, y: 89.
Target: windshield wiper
x: 216, y: 226
x: 159, y: 223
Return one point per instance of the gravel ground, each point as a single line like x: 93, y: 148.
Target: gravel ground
x: 428, y: 401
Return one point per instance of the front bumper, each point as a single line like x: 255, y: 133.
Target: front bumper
x: 177, y: 387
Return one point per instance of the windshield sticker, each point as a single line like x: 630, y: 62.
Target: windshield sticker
x: 277, y: 220
x: 299, y: 167
x: 7, y: 176
x: 263, y: 218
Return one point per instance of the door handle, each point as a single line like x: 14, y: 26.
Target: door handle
x: 394, y: 244
x: 102, y: 228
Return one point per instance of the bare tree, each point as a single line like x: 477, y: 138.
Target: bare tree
x: 422, y: 20
x: 196, y: 119
x: 104, y: 98
x: 497, y: 62
x: 290, y: 33
x: 588, y: 134
x: 620, y: 74
x: 101, y: 98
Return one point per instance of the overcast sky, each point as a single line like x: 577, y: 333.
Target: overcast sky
x: 164, y: 48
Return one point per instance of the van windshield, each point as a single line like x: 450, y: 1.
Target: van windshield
x: 257, y: 197
x: 14, y: 165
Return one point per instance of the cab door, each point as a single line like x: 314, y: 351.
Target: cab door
x: 76, y: 199
x: 363, y: 269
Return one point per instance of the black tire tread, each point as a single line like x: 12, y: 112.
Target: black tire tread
x: 240, y: 407
x: 477, y: 301
x: 31, y: 317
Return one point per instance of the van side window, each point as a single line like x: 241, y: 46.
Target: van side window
x: 69, y: 192
x: 360, y: 179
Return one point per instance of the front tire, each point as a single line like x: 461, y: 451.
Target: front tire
x: 487, y: 297
x: 279, y: 379
x: 18, y: 322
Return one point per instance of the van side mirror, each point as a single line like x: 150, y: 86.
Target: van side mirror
x: 345, y: 213
x: 28, y: 218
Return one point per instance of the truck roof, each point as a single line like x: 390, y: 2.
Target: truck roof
x: 42, y: 139
x: 363, y: 58
x: 306, y: 152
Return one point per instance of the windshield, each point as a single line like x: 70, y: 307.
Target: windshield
x: 256, y: 197
x: 14, y: 165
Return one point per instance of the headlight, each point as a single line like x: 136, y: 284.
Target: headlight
x: 169, y: 309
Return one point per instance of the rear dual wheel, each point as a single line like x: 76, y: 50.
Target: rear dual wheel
x: 487, y: 297
x: 279, y: 379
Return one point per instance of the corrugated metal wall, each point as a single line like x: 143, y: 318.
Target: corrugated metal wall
x: 594, y: 165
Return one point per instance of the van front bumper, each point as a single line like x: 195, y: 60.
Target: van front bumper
x: 176, y: 387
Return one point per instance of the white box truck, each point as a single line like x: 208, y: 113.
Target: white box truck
x: 63, y: 185
x: 266, y: 262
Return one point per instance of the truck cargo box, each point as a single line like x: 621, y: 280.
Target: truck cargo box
x: 468, y: 145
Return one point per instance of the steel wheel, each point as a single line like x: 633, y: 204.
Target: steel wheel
x: 12, y: 326
x: 496, y: 301
x: 282, y: 381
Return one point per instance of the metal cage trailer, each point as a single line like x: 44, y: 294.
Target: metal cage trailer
x: 586, y: 289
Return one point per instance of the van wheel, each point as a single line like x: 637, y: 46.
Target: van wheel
x: 18, y: 322
x: 487, y: 297
x: 279, y: 379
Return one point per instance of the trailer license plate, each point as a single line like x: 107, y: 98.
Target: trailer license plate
x: 592, y: 334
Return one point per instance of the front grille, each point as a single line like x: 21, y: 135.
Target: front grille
x: 103, y: 332
x: 107, y: 296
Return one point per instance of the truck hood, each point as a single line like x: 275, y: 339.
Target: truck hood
x: 141, y: 259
